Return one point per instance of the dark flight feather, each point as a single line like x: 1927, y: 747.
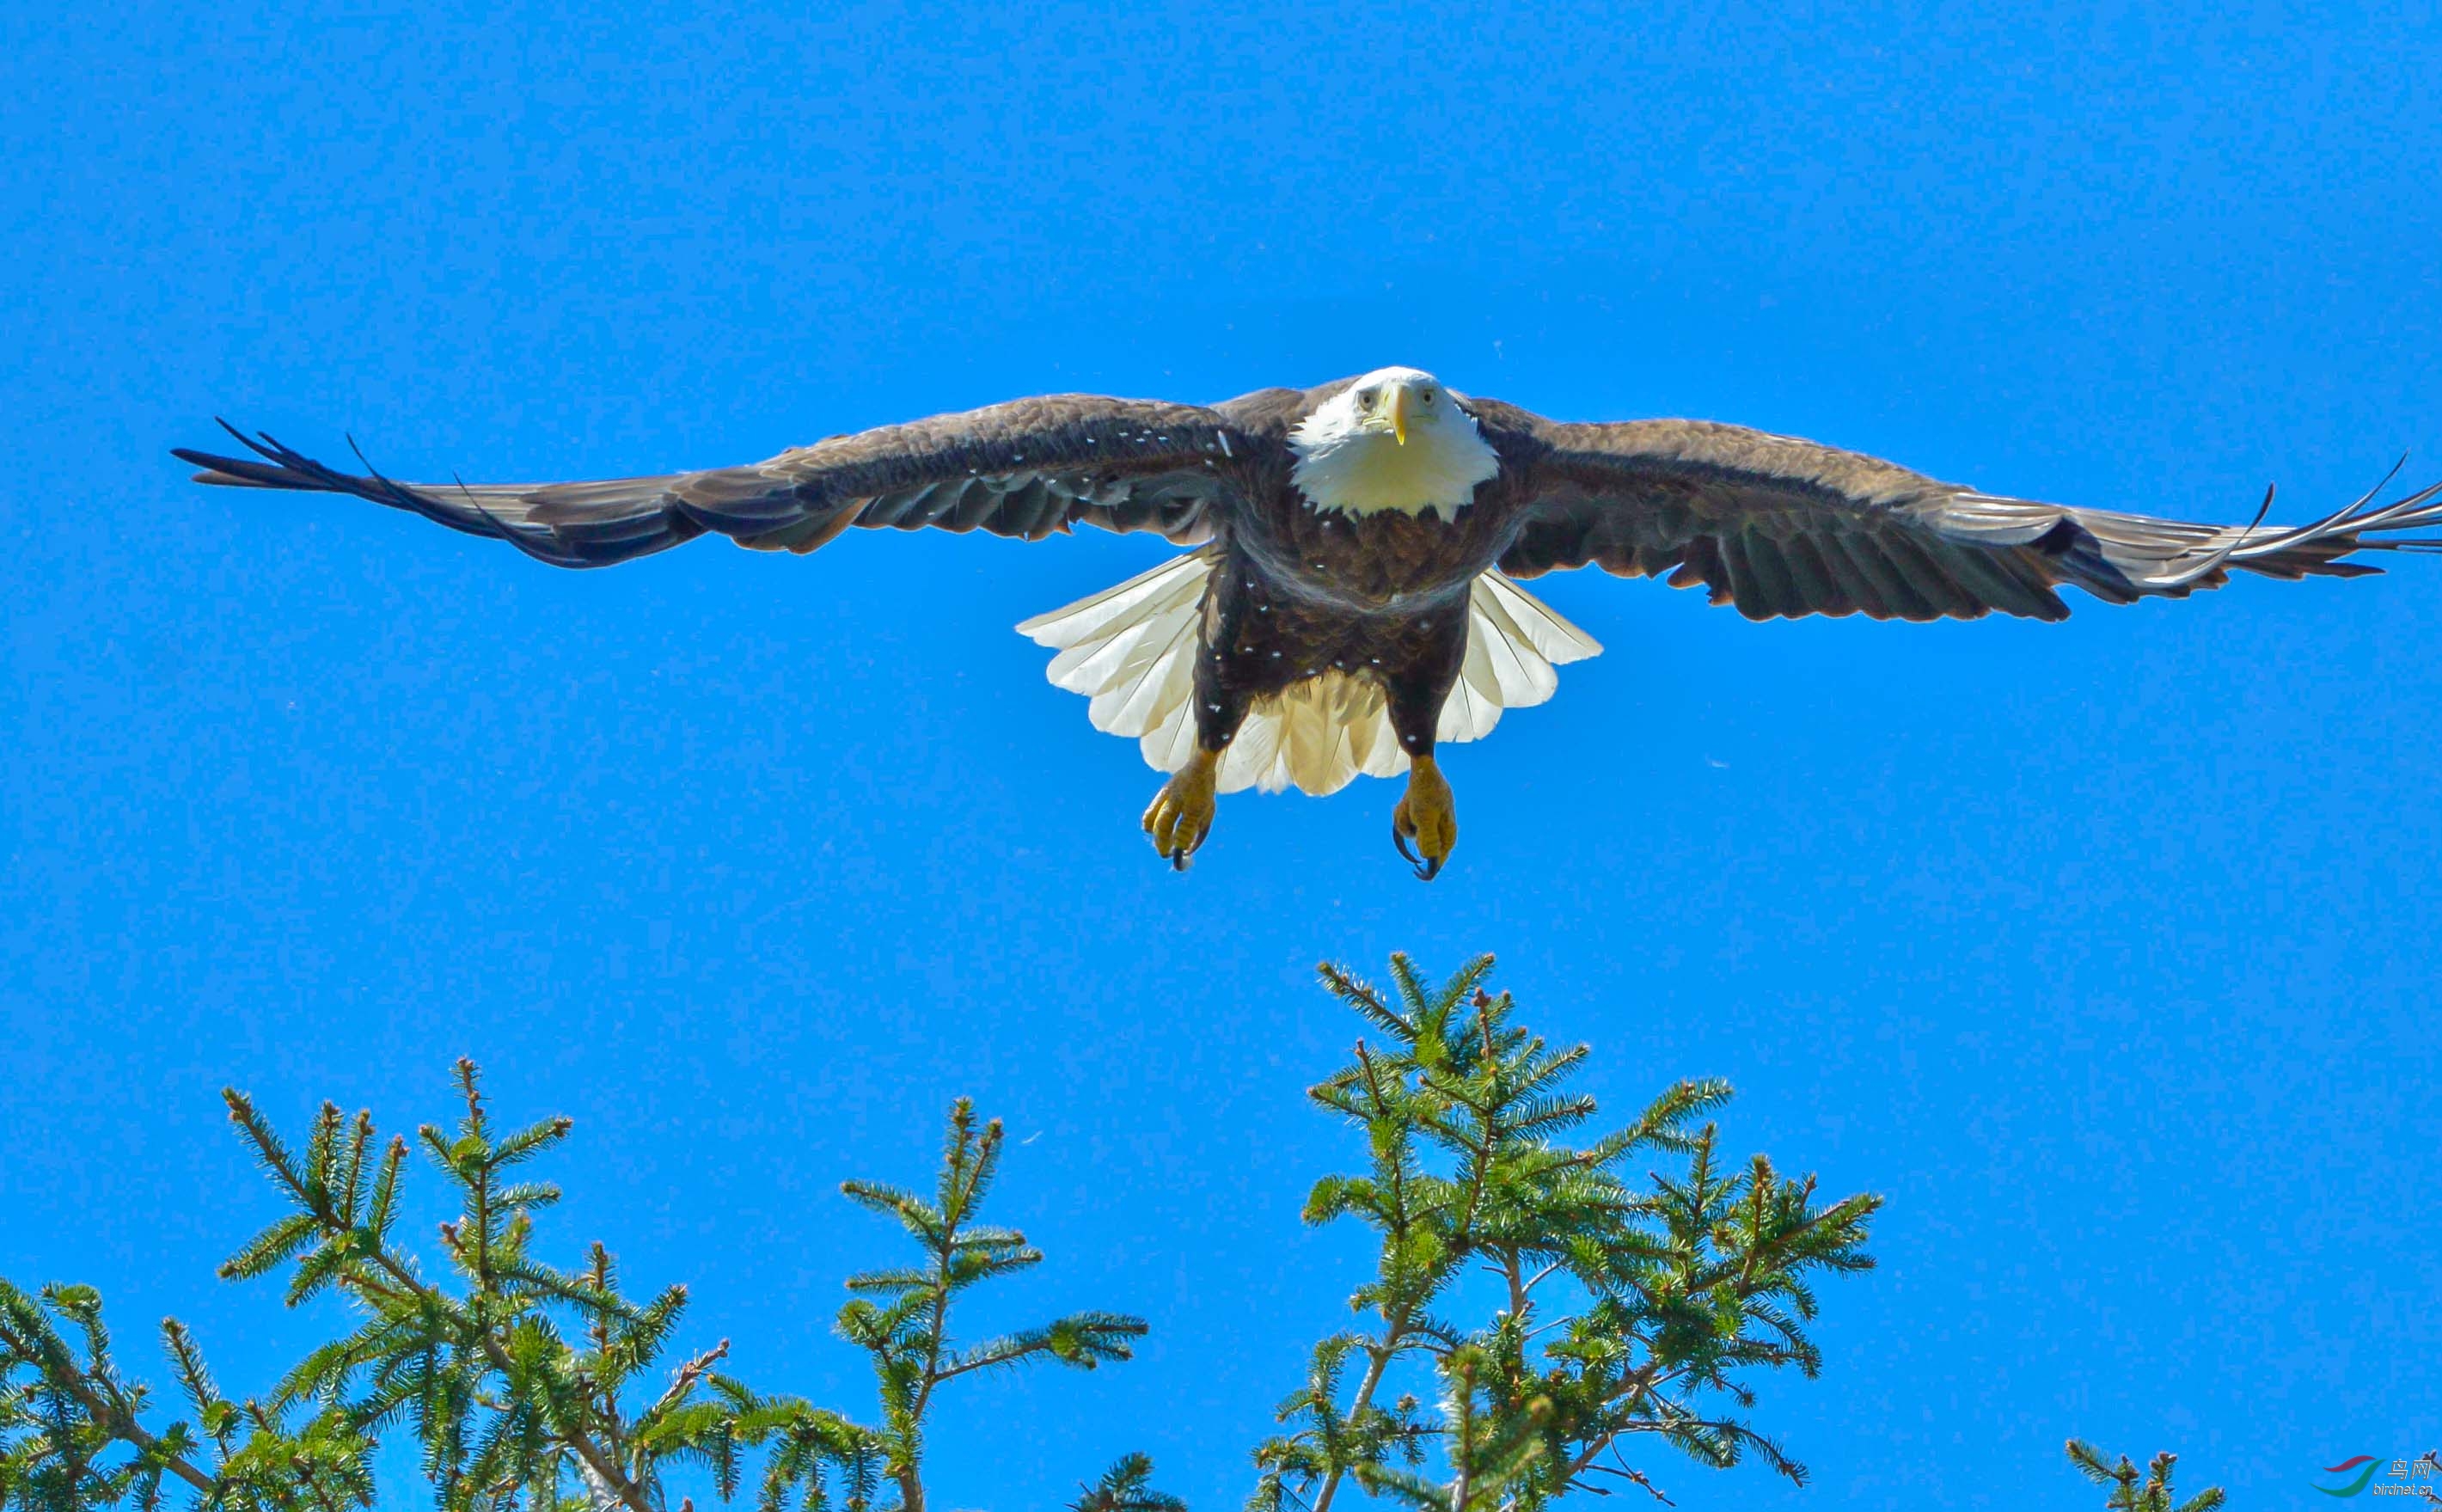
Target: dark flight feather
x: 1027, y: 469
x: 1782, y: 527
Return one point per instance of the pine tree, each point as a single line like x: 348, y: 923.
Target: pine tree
x: 907, y: 1336
x: 1127, y: 1486
x: 2154, y: 1495
x: 1536, y: 1308
x: 1622, y: 1310
x: 524, y: 1386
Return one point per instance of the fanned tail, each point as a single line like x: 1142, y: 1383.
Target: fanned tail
x: 1132, y: 650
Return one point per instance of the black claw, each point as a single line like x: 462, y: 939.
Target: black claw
x: 1399, y: 838
x: 1429, y: 870
x: 1178, y: 860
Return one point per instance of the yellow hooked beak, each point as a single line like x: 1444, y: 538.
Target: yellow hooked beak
x: 1399, y: 412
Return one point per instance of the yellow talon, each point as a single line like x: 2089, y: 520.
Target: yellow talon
x: 1181, y: 814
x: 1427, y: 815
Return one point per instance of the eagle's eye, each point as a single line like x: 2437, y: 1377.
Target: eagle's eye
x: 1424, y: 395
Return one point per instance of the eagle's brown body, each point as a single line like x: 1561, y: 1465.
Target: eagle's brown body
x: 1380, y: 601
x: 1300, y: 590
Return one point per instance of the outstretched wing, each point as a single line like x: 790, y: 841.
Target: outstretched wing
x: 1026, y: 468
x: 1783, y: 527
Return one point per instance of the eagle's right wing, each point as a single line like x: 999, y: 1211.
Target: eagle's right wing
x: 1783, y: 527
x: 1028, y: 468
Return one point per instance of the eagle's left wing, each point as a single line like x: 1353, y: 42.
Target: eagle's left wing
x: 1784, y: 527
x: 1026, y: 468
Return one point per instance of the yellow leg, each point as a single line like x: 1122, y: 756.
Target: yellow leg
x: 1181, y: 814
x: 1428, y: 816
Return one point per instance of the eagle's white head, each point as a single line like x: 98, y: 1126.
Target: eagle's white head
x: 1395, y: 439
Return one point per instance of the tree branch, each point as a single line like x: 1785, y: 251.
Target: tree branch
x: 113, y: 1418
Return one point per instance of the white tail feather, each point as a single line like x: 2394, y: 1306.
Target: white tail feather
x: 1132, y: 650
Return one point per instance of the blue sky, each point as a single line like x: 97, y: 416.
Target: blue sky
x: 2104, y: 949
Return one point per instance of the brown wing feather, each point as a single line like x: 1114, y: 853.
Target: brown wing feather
x: 1028, y: 468
x: 1783, y: 527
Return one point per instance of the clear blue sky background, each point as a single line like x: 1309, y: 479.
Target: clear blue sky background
x: 2107, y: 949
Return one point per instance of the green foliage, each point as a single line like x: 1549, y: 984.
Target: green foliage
x: 1126, y: 1486
x: 70, y: 1435
x: 1538, y: 1306
x: 525, y: 1387
x: 1620, y: 1309
x: 520, y: 1383
x: 2128, y: 1495
x: 902, y: 1319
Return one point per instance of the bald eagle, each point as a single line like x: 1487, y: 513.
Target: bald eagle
x: 1351, y: 599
